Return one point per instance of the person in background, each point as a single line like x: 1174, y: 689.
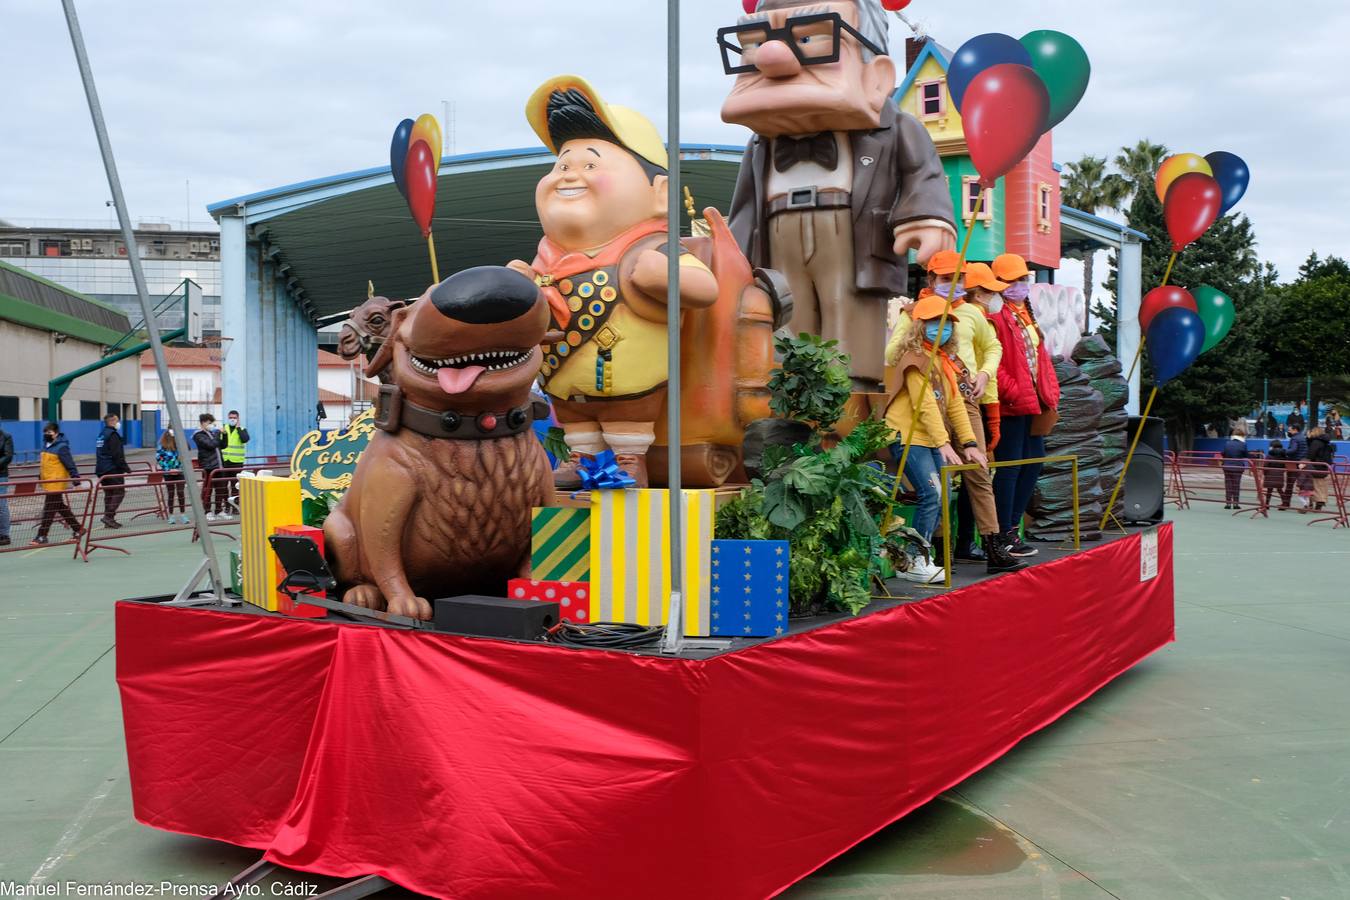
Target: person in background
x: 6, y: 457
x: 1273, y: 469
x: 1028, y: 398
x: 941, y: 413
x: 110, y: 466
x: 232, y: 452
x: 1295, y: 419
x: 1272, y: 425
x: 1333, y: 424
x: 1296, y: 452
x: 1260, y: 426
x: 1235, y: 457
x: 171, y: 464
x: 208, y: 439
x: 56, y: 474
x: 978, y: 348
x: 1321, y: 454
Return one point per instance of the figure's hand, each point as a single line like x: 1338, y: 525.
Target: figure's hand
x: 411, y: 606
x: 949, y: 457
x: 975, y: 455
x: 924, y: 239
x: 524, y: 268
x: 981, y: 382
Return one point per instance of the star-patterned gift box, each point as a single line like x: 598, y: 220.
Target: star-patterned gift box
x: 749, y: 588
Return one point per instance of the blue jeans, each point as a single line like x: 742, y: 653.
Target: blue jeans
x: 1014, y: 485
x: 922, y: 470
x: 4, y: 507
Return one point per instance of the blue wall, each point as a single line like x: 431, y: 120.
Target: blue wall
x: 81, y: 434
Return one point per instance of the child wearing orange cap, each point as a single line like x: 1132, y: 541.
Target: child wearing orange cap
x: 940, y: 399
x: 977, y: 347
x: 1028, y: 397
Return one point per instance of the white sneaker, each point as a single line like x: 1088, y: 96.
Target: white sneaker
x: 923, y: 571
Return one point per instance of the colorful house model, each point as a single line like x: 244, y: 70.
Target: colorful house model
x: 1021, y: 213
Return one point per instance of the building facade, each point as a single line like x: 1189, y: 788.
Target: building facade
x: 92, y: 261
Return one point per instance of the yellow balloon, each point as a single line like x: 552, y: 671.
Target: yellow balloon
x: 426, y: 128
x: 1174, y: 167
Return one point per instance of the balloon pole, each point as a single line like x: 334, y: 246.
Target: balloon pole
x: 1115, y: 492
x: 435, y: 270
x: 1140, y: 351
x: 932, y: 359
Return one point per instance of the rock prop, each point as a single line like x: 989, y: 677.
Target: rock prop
x: 1051, y: 509
x: 1102, y: 368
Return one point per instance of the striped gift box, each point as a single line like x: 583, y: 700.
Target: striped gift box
x: 265, y: 504
x: 630, y: 560
x: 560, y: 544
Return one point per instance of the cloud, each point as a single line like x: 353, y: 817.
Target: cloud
x: 239, y: 97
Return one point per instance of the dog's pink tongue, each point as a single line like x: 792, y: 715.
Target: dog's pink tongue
x: 457, y: 381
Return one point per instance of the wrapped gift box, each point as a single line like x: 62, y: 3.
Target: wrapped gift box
x: 236, y: 573
x: 560, y: 544
x: 572, y: 597
x: 284, y: 604
x: 749, y: 588
x: 266, y: 503
x: 630, y: 559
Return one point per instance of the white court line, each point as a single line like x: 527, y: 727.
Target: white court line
x: 72, y: 833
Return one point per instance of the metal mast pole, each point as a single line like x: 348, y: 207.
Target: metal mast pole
x: 209, y: 564
x: 674, y: 635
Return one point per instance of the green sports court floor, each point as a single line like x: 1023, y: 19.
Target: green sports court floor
x: 1218, y: 768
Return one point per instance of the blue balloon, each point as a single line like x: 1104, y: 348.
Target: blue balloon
x: 978, y: 54
x: 1232, y: 174
x: 398, y: 155
x: 1175, y: 338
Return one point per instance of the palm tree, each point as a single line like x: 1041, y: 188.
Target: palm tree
x: 1087, y: 186
x: 1139, y: 164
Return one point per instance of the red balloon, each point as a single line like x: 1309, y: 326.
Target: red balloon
x: 420, y: 173
x: 1192, y: 205
x: 894, y: 5
x: 1160, y: 298
x: 1004, y: 112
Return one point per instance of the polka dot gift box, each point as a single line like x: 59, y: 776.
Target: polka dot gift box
x: 572, y: 597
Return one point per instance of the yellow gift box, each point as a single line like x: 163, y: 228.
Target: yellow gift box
x: 630, y: 557
x: 265, y: 504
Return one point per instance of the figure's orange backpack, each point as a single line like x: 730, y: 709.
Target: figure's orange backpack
x: 726, y: 356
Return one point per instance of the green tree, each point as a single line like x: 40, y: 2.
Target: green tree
x: 1088, y: 186
x: 1305, y: 328
x: 1139, y: 164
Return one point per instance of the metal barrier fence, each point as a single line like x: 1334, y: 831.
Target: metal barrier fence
x: 947, y: 471
x: 33, y: 471
x: 126, y: 506
x: 1204, y: 478
x: 32, y: 510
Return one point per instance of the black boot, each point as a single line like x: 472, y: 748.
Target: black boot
x: 1000, y: 560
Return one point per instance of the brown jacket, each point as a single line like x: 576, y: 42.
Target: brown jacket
x: 903, y: 182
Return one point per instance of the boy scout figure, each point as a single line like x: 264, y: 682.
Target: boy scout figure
x: 602, y: 265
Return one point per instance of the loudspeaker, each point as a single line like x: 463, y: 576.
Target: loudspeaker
x: 525, y: 620
x: 1142, y: 493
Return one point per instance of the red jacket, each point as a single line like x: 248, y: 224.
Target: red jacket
x: 1017, y: 394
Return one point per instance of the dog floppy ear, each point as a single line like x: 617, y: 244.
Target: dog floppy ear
x: 384, y: 357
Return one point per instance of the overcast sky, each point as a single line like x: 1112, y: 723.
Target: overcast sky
x: 242, y: 96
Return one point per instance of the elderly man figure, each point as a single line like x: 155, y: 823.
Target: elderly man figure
x: 837, y: 185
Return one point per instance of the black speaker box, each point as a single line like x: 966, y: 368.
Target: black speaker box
x: 525, y: 620
x: 1142, y: 493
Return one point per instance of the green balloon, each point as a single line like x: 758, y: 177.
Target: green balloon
x: 1216, y: 311
x: 1063, y: 66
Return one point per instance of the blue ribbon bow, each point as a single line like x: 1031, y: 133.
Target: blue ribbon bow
x: 602, y: 472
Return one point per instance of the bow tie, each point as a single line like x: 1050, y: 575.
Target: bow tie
x: 821, y: 149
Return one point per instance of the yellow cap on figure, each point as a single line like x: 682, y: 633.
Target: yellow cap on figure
x: 632, y: 129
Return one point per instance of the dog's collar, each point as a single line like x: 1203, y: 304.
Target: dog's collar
x: 392, y: 412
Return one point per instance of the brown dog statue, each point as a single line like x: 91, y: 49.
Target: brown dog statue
x: 440, y: 502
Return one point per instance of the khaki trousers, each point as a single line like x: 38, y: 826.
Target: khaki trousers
x: 979, y: 483
x: 814, y: 251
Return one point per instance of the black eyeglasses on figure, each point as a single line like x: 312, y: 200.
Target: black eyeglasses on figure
x: 814, y: 40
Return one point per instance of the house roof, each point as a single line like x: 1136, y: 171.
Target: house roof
x: 931, y: 50
x: 328, y: 359
x: 35, y: 302
x: 185, y: 358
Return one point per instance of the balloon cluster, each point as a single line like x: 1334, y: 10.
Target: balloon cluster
x: 1181, y: 325
x: 1010, y: 92
x: 414, y: 158
x: 1195, y: 190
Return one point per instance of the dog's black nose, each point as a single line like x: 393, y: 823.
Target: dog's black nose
x: 485, y: 295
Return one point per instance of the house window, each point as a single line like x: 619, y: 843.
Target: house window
x: 89, y: 411
x: 9, y: 409
x: 182, y: 387
x: 932, y: 99
x: 13, y: 248
x: 970, y: 185
x: 1043, y: 199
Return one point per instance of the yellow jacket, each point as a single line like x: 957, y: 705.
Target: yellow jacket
x: 936, y: 422
x: 977, y: 344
